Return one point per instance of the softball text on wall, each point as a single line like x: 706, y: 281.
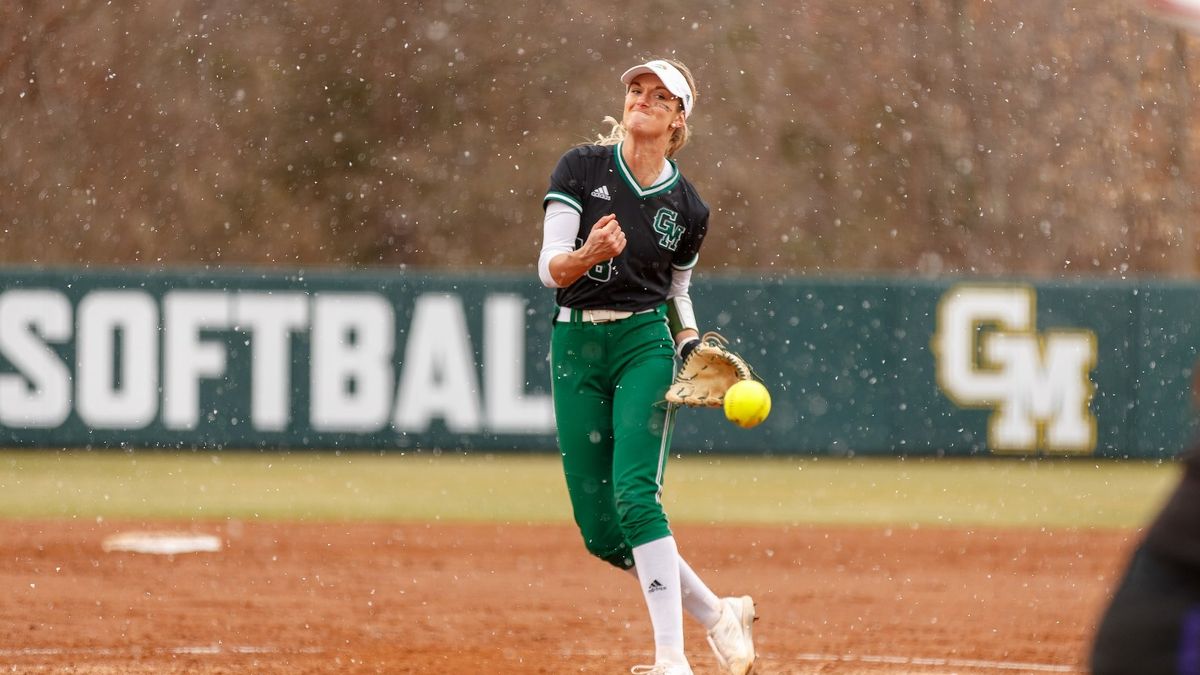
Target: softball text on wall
x: 141, y: 359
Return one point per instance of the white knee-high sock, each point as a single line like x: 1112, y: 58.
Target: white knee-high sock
x: 658, y: 571
x: 701, y: 603
x: 698, y: 600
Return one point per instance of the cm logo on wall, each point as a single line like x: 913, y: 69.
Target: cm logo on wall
x: 990, y: 354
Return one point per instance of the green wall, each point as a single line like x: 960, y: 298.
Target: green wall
x: 393, y: 361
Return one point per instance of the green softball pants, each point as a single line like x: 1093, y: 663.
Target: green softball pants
x: 614, y: 428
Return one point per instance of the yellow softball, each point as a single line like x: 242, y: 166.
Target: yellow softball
x: 747, y: 403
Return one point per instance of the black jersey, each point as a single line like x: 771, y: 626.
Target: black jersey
x: 664, y: 226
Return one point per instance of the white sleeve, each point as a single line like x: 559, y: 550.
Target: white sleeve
x: 680, y: 314
x: 680, y: 281
x: 559, y: 231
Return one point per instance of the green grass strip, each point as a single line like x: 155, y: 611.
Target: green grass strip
x: 529, y: 488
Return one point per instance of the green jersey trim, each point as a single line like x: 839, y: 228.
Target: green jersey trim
x: 565, y: 199
x: 687, y: 265
x: 627, y: 175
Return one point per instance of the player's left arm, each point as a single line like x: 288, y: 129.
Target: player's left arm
x: 681, y: 317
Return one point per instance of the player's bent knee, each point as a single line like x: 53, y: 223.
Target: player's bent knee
x: 644, y: 524
x: 620, y: 556
x: 603, y: 538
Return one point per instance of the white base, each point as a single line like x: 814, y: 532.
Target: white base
x: 162, y: 543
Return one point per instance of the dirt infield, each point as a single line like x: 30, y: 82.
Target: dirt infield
x: 430, y: 598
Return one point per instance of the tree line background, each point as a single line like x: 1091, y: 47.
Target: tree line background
x: 921, y: 137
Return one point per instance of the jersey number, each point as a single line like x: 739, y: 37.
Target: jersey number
x: 669, y: 231
x: 600, y: 271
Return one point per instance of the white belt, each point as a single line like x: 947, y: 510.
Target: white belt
x: 598, y: 315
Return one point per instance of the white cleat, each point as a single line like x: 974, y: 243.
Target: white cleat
x: 663, y: 669
x: 731, y: 638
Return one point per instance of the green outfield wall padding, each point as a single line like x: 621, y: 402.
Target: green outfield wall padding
x: 401, y: 361
x: 1166, y: 341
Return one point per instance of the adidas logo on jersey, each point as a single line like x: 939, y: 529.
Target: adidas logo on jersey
x: 602, y: 193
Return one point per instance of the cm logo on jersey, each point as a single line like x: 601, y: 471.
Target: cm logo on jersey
x: 989, y: 354
x: 668, y: 228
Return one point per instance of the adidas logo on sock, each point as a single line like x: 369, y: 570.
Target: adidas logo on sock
x: 655, y: 586
x: 602, y: 193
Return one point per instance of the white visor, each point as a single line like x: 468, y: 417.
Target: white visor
x: 671, y: 78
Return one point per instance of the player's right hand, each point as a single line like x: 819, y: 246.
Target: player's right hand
x: 605, y: 241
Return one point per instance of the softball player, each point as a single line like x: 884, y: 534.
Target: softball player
x: 622, y: 232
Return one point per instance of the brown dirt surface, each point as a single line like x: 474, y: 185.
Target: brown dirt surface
x: 490, y: 598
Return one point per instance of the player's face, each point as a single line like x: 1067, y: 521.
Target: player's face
x: 650, y: 108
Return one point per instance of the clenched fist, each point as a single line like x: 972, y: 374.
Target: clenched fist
x: 606, y: 240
